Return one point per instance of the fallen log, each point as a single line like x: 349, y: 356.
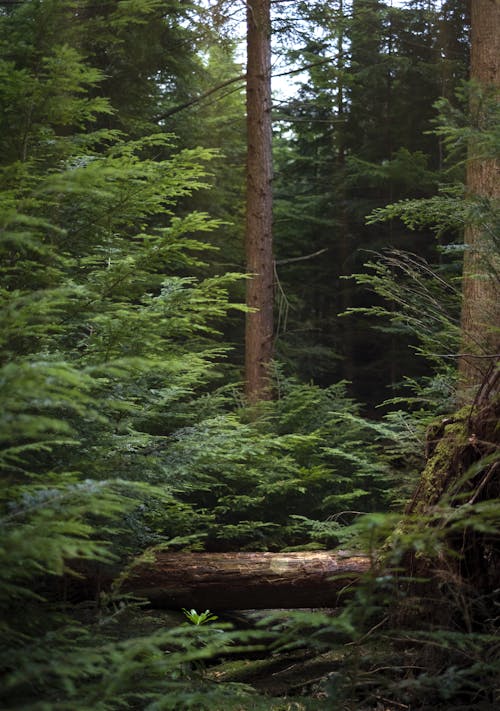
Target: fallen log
x: 240, y: 581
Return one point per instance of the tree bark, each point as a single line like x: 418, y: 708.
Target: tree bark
x: 481, y: 294
x: 259, y: 246
x: 218, y: 581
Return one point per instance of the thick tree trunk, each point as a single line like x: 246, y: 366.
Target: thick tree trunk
x: 481, y: 293
x: 463, y: 469
x: 259, y: 247
x: 218, y: 581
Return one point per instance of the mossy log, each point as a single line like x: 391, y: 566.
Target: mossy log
x: 243, y: 580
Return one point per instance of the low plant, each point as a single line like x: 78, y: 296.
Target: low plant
x: 199, y: 618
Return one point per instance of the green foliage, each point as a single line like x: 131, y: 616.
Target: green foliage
x: 117, y: 428
x: 418, y: 297
x: 199, y: 618
x: 425, y: 638
x: 109, y: 340
x: 280, y: 480
x: 87, y: 668
x: 444, y: 212
x: 423, y: 302
x: 121, y: 425
x: 355, y: 137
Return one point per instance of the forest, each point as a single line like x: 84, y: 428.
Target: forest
x: 250, y: 341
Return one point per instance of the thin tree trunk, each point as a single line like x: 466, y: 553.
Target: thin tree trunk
x: 243, y: 580
x: 259, y: 248
x: 481, y: 294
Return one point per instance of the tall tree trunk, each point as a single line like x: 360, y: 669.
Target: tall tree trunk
x: 481, y: 293
x: 259, y: 248
x: 344, y: 237
x: 463, y: 466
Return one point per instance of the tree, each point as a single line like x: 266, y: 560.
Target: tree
x: 349, y: 144
x: 259, y: 250
x: 481, y: 272
x: 462, y: 450
x: 104, y: 326
x: 149, y: 52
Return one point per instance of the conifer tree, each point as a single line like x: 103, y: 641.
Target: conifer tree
x: 337, y: 162
x: 259, y: 250
x: 481, y: 293
x: 107, y: 344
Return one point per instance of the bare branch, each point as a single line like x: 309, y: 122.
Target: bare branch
x: 199, y: 98
x: 280, y: 262
x: 233, y: 80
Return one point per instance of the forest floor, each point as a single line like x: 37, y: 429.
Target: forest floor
x: 296, y: 679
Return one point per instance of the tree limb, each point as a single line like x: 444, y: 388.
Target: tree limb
x: 280, y: 262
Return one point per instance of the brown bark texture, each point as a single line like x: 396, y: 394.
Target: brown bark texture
x: 219, y: 581
x: 480, y: 319
x: 259, y: 246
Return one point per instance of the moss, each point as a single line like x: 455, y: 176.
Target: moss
x: 281, y: 673
x: 443, y: 466
x: 447, y: 442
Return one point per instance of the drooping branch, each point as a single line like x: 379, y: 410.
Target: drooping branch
x: 201, y: 97
x: 292, y: 260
